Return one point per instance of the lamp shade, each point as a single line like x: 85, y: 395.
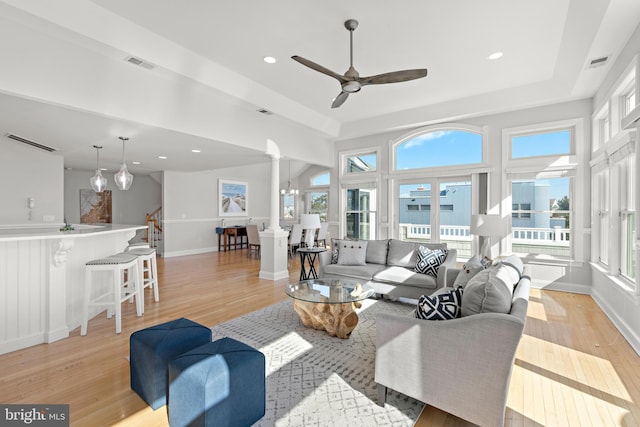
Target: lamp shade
x: 487, y: 225
x: 310, y: 221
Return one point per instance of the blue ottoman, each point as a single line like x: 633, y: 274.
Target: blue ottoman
x: 221, y: 383
x: 151, y: 350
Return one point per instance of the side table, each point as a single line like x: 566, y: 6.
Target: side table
x: 309, y: 256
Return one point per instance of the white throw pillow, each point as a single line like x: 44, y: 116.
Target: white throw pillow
x: 352, y: 252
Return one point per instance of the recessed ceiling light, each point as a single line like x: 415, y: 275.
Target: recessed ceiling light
x: 495, y: 55
x: 104, y: 169
x: 195, y: 151
x: 136, y: 163
x: 269, y: 59
x: 162, y: 157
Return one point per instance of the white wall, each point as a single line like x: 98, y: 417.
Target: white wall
x: 128, y: 207
x: 29, y: 172
x: 190, y: 203
x: 620, y: 304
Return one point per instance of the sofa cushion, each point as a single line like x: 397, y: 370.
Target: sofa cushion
x: 429, y: 260
x: 489, y: 291
x: 352, y: 252
x: 444, y: 306
x: 377, y: 251
x: 405, y: 276
x: 468, y: 270
x: 403, y: 254
x: 363, y: 272
x: 515, y: 262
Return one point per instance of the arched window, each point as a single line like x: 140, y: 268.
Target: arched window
x: 436, y: 147
x: 321, y: 179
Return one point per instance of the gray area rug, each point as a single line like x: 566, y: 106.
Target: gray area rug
x: 317, y: 380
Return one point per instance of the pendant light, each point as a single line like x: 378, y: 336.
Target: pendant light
x: 98, y: 182
x: 289, y: 191
x: 123, y: 178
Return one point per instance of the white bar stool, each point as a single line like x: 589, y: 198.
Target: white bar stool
x: 147, y: 264
x: 122, y: 289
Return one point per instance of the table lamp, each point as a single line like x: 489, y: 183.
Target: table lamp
x: 486, y: 226
x: 310, y: 223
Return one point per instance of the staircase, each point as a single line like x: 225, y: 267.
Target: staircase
x: 154, y: 229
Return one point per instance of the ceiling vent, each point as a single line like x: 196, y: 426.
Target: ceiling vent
x: 31, y: 143
x: 598, y: 62
x: 263, y: 111
x: 139, y: 62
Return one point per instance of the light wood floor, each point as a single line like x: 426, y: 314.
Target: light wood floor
x: 572, y: 367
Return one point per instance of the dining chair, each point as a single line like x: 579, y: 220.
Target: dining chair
x: 295, y: 238
x: 254, y: 239
x: 322, y: 234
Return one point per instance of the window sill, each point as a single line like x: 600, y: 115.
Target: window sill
x: 620, y: 281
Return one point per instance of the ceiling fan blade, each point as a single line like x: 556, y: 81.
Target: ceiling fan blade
x: 342, y: 96
x: 393, y: 77
x: 319, y: 68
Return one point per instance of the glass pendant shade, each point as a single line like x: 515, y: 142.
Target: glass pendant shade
x: 98, y: 182
x: 123, y: 178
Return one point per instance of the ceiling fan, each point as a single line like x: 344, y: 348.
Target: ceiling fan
x: 351, y: 81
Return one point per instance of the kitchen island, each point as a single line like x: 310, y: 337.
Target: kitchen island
x: 42, y: 278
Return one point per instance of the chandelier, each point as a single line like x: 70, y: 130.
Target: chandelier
x: 289, y: 191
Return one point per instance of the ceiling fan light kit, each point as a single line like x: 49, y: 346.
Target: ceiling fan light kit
x: 351, y: 82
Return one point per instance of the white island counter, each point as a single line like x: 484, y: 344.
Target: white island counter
x: 42, y: 278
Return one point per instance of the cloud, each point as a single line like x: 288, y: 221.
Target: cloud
x: 420, y: 140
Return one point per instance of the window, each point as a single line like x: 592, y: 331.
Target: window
x: 319, y: 204
x: 321, y: 179
x: 541, y: 144
x: 361, y: 213
x: 288, y: 206
x: 541, y: 222
x: 628, y: 101
x: 627, y: 218
x: 601, y: 183
x: 540, y: 169
x: 414, y: 211
x: 361, y: 163
x: 520, y: 210
x: 439, y: 148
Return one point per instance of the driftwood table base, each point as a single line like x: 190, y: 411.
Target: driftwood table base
x: 339, y: 320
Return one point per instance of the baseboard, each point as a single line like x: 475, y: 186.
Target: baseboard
x: 20, y: 343
x: 628, y: 333
x: 279, y: 275
x: 189, y: 252
x: 562, y: 286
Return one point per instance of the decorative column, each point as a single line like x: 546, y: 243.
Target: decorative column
x: 273, y: 241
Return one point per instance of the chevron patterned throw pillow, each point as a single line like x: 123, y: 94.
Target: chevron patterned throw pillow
x: 440, y: 307
x: 429, y: 260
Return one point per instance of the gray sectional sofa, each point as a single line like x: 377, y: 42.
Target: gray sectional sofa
x: 463, y: 365
x: 389, y: 268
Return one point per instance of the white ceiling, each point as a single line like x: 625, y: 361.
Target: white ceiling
x: 202, y: 46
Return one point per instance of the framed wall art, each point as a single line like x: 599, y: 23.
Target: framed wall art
x: 233, y: 198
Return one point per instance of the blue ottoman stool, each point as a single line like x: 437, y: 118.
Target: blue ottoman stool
x: 151, y: 350
x: 221, y: 383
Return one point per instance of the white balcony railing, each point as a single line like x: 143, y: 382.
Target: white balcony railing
x: 532, y: 236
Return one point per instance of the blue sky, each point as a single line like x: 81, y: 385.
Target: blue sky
x: 455, y: 147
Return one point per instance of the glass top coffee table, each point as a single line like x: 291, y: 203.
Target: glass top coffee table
x: 329, y: 304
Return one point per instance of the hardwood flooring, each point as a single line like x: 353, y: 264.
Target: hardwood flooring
x: 572, y: 366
